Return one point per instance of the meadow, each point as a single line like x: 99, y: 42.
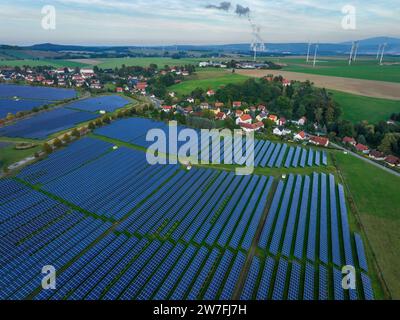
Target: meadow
x: 359, y: 108
x: 145, y: 62
x: 377, y: 203
x: 207, y: 79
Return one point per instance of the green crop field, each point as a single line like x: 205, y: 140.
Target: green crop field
x: 358, y: 108
x: 46, y: 62
x: 361, y: 69
x: 207, y: 80
x: 376, y: 198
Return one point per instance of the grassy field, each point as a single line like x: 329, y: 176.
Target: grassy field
x: 9, y: 155
x: 358, y: 108
x: 145, y: 62
x: 207, y: 79
x: 361, y: 69
x: 376, y: 198
x: 48, y: 62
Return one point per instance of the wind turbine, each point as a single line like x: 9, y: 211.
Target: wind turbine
x: 257, y: 44
x: 351, y: 53
x: 356, y: 51
x: 308, y: 51
x: 315, y: 54
x: 383, y: 52
x: 379, y: 51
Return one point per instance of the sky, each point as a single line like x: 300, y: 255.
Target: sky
x: 170, y: 22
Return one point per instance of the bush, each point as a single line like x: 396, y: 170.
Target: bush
x: 91, y: 126
x: 66, y: 138
x: 75, y: 133
x: 47, y: 148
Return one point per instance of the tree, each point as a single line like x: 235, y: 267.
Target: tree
x: 47, y: 148
x: 57, y: 143
x: 66, y: 138
x: 75, y: 133
x: 10, y: 116
x: 91, y: 126
x: 346, y: 129
x: 361, y: 139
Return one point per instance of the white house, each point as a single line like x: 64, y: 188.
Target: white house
x: 278, y: 131
x: 301, y: 136
x: 244, y: 119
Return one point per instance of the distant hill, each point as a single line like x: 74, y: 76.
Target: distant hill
x: 367, y: 46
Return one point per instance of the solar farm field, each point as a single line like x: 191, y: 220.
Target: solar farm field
x: 45, y: 124
x: 266, y: 155
x: 115, y: 227
x: 14, y: 106
x: 15, y: 98
x: 103, y: 103
x: 36, y: 93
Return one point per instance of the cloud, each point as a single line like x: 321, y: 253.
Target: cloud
x: 242, y: 11
x: 225, y: 6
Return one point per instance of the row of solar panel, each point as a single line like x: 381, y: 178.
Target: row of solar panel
x: 135, y: 130
x: 292, y: 227
x: 281, y: 280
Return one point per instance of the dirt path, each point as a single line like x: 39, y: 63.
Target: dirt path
x: 369, y: 88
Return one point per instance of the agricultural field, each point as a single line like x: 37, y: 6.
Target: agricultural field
x: 145, y: 62
x: 359, y: 108
x: 124, y: 234
x: 367, y: 69
x: 56, y: 63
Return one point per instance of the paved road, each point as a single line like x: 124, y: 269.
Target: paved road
x: 367, y: 160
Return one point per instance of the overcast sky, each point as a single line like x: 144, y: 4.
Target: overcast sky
x: 154, y: 22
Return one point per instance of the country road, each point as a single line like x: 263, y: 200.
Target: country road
x: 367, y: 160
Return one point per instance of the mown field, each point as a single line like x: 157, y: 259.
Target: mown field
x: 361, y: 69
x: 376, y: 198
x: 359, y: 108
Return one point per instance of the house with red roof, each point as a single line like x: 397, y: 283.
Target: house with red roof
x: 273, y: 118
x: 239, y: 113
x: 362, y: 148
x: 244, y: 119
x: 141, y: 86
x: 301, y: 136
x: 236, y: 104
x: 119, y: 90
x: 210, y: 93
x: 167, y: 108
x: 286, y: 82
x: 319, y: 141
x: 251, y: 127
x: 220, y: 116
x: 349, y: 140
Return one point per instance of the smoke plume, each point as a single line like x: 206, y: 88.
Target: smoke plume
x: 224, y: 6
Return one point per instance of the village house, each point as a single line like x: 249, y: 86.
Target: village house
x: 190, y: 100
x: 280, y: 131
x: 273, y: 118
x: 236, y: 104
x: 239, y: 113
x: 210, y: 93
x: 286, y: 82
x: 167, y: 109
x: 392, y: 161
x: 301, y: 136
x: 282, y: 121
x: 251, y: 127
x: 262, y: 108
x: 349, y: 140
x: 204, y: 106
x: 362, y: 148
x: 220, y: 116
x: 244, y: 119
x: 377, y: 155
x: 319, y: 141
x: 119, y: 90
x: 262, y: 116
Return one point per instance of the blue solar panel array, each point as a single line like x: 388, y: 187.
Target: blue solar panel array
x: 266, y: 154
x: 14, y: 106
x: 36, y: 93
x: 44, y: 124
x: 103, y: 103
